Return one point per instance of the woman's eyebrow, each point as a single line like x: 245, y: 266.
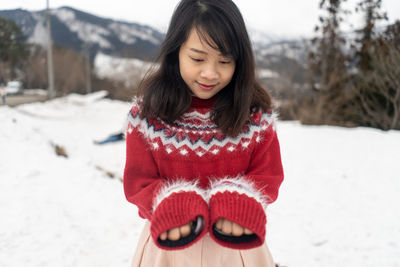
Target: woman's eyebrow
x: 198, y: 51
x: 205, y: 53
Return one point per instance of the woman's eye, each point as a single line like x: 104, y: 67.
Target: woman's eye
x: 224, y: 62
x: 196, y: 59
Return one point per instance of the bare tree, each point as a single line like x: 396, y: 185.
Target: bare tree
x: 69, y: 70
x: 35, y: 68
x: 377, y: 90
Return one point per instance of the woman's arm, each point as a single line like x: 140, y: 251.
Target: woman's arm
x: 166, y: 204
x: 243, y: 200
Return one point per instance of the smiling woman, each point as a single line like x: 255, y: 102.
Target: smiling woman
x: 205, y: 70
x: 203, y: 158
x: 202, y: 56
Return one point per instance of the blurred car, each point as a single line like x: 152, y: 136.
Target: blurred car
x: 14, y: 87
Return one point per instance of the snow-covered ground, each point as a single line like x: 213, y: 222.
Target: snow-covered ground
x: 338, y: 205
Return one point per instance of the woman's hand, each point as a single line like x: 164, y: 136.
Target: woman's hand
x: 224, y: 225
x: 230, y: 228
x: 175, y: 234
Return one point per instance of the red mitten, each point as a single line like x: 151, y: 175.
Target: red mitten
x: 238, y: 201
x: 178, y: 204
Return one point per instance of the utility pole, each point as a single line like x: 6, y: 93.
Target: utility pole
x: 50, y: 67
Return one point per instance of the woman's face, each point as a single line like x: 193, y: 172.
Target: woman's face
x: 205, y: 70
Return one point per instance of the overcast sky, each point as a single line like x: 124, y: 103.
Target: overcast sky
x: 284, y: 18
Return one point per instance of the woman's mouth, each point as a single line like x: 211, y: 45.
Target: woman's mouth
x: 206, y: 86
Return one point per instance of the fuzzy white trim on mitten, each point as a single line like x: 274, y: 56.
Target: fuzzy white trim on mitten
x: 239, y: 185
x: 177, y: 186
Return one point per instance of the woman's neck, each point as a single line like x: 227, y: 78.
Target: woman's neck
x: 203, y: 103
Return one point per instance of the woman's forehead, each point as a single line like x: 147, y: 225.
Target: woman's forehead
x: 200, y: 42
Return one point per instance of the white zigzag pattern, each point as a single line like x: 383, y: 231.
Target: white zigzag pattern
x: 266, y: 121
x: 197, y: 115
x: 194, y: 127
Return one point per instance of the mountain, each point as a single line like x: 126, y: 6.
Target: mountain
x: 74, y: 29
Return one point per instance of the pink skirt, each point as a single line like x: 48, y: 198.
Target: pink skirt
x: 205, y: 253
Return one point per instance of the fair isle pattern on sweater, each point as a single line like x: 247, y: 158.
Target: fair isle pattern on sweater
x: 176, y: 173
x: 194, y: 132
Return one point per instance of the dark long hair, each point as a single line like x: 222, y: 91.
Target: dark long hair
x: 220, y: 24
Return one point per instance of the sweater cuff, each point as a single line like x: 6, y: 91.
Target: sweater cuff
x: 237, y: 200
x: 175, y: 205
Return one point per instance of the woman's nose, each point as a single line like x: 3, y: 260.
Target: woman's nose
x: 209, y: 72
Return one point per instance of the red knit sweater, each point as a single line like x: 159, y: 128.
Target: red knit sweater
x: 175, y: 173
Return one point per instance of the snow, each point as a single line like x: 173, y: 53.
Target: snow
x: 267, y: 73
x: 96, y: 34
x: 296, y: 50
x: 39, y: 35
x: 260, y: 38
x: 128, y: 33
x: 58, y: 211
x: 88, y: 32
x: 340, y: 198
x: 64, y: 14
x: 127, y: 70
x: 338, y: 205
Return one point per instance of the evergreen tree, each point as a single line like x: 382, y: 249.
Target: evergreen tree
x: 13, y: 50
x: 372, y: 14
x: 327, y: 62
x: 392, y: 35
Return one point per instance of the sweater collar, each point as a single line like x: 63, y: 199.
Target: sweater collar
x: 203, y: 103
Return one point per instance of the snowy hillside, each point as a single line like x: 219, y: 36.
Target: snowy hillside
x: 79, y: 31
x: 338, y: 205
x: 127, y: 70
x: 76, y: 29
